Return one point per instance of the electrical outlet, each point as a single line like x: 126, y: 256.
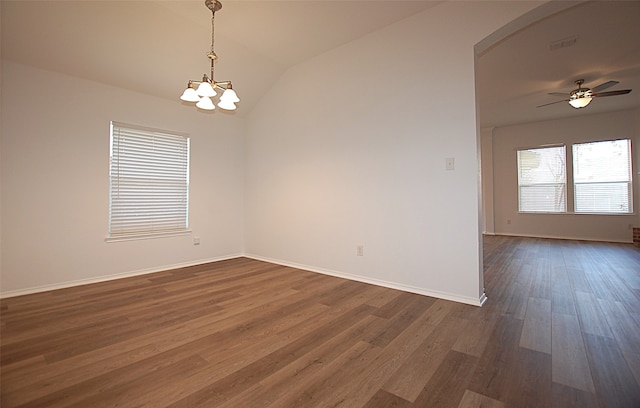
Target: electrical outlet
x: 450, y: 163
x: 196, y: 240
x: 360, y: 250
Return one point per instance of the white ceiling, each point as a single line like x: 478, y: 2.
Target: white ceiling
x: 517, y: 74
x: 154, y: 47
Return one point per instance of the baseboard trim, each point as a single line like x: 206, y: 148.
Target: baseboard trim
x: 504, y: 234
x: 391, y: 285
x: 69, y: 284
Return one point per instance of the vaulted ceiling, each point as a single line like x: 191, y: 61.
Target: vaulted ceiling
x: 154, y: 47
x: 595, y: 41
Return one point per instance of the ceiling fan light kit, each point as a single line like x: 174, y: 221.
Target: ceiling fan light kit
x: 580, y: 102
x: 581, y: 97
x: 206, y: 88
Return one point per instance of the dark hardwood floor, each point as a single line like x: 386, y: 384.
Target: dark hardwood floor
x: 561, y: 328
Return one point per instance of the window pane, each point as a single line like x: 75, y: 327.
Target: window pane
x: 602, y: 197
x: 602, y: 161
x: 543, y: 198
x: 602, y: 177
x: 542, y: 180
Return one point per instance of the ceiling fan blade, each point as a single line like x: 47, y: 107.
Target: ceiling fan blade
x: 611, y: 93
x: 559, y: 93
x: 604, y: 86
x: 551, y: 103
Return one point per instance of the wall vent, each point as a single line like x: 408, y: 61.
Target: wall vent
x: 563, y: 43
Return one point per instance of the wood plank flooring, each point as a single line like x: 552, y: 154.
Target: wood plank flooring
x: 561, y: 328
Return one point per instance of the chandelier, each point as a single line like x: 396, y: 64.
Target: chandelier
x: 206, y: 89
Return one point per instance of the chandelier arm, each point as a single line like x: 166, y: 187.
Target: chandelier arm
x: 224, y: 85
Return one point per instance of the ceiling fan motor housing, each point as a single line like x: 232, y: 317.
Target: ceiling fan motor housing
x: 580, y: 93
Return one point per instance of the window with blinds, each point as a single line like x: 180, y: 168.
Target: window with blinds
x: 602, y: 177
x: 149, y: 182
x: 542, y: 180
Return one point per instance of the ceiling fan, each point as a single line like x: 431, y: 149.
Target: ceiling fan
x: 581, y: 97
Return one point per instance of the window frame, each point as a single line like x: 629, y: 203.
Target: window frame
x: 149, y: 182
x: 628, y: 182
x: 570, y: 183
x: 564, y: 184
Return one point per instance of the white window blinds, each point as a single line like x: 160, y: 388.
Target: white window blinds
x: 542, y: 180
x: 149, y: 182
x: 602, y: 177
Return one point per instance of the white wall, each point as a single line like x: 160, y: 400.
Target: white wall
x: 486, y: 166
x: 349, y: 149
x: 55, y: 162
x: 613, y: 228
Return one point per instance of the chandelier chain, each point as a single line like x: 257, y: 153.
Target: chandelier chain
x: 212, y: 53
x: 213, y: 17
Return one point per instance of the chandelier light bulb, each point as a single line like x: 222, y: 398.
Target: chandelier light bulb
x: 205, y: 103
x: 190, y: 95
x: 229, y: 95
x: 226, y: 104
x: 205, y: 89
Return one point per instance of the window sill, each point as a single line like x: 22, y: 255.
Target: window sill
x: 137, y: 237
x: 574, y: 213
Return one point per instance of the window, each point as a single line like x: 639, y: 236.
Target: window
x: 149, y: 182
x: 602, y: 177
x: 542, y: 180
